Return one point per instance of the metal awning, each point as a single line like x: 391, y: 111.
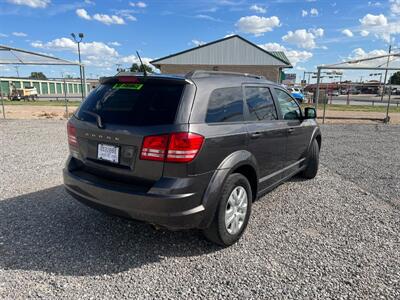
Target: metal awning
x: 387, y: 62
x: 16, y: 56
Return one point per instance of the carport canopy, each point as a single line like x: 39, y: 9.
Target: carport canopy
x: 387, y: 62
x: 16, y: 56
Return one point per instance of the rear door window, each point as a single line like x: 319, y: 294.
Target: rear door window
x: 133, y: 104
x: 260, y: 103
x: 225, y: 105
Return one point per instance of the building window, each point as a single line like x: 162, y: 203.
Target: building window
x: 5, y: 87
x: 59, y: 88
x: 52, y: 88
x: 16, y: 84
x: 45, y: 88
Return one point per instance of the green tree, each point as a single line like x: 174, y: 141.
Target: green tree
x: 395, y: 78
x: 138, y: 68
x: 38, y: 75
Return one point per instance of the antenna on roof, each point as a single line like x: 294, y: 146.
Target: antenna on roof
x: 141, y: 64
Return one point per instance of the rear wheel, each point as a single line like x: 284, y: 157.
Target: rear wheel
x: 233, y: 212
x: 312, y: 161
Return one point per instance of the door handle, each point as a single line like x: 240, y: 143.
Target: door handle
x: 290, y: 130
x: 255, y: 135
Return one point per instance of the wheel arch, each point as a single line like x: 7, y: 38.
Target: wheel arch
x: 242, y: 162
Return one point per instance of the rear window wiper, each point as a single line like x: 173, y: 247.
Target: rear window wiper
x: 97, y: 116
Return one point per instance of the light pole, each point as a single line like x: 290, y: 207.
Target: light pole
x: 78, y: 41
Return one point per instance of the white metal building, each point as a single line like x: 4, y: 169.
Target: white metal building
x: 233, y: 53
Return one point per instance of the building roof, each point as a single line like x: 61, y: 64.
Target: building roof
x: 232, y: 50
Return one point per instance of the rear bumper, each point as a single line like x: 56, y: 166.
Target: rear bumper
x: 165, y: 204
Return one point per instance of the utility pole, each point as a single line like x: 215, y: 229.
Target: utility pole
x: 386, y: 73
x: 16, y: 68
x: 78, y: 41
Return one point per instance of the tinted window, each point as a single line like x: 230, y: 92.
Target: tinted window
x: 289, y: 107
x: 225, y: 105
x: 132, y: 104
x: 260, y: 104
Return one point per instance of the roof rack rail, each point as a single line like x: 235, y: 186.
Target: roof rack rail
x: 202, y: 73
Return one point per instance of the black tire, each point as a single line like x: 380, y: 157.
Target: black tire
x: 217, y: 232
x: 312, y: 161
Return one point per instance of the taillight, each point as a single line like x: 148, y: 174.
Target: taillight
x: 183, y: 146
x: 154, y: 147
x: 175, y: 147
x: 71, y: 130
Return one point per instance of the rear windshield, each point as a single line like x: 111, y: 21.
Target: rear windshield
x: 132, y: 104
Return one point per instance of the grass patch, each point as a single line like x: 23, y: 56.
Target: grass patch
x: 361, y: 108
x: 42, y: 103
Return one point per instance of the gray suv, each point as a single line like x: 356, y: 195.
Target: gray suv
x: 189, y: 151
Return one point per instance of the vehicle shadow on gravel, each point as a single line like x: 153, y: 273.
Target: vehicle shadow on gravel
x: 51, y: 232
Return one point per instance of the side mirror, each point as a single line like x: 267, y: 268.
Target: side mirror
x: 310, y: 113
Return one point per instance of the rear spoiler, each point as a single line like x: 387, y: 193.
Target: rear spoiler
x: 139, y: 78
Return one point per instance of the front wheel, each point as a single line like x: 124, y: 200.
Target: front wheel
x: 233, y: 211
x: 312, y: 161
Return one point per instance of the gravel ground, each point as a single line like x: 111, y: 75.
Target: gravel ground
x: 336, y: 236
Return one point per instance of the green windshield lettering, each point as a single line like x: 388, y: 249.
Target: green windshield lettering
x: 127, y: 86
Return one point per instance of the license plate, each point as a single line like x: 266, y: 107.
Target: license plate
x: 108, y: 153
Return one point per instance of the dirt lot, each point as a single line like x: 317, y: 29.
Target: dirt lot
x: 334, y: 237
x: 58, y: 112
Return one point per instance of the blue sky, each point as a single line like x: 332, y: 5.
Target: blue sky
x: 311, y: 32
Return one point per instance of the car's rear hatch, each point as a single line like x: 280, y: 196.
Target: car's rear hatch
x: 112, y: 122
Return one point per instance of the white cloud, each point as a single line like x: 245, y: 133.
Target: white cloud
x: 319, y: 32
x: 126, y: 13
x: 294, y: 56
x: 131, y: 59
x: 82, y: 13
x: 197, y: 42
x: 103, y: 18
x: 395, y: 6
x: 114, y: 44
x: 31, y: 3
x: 303, y: 38
x: 3, y: 35
x: 348, y: 33
x: 360, y: 53
x: 380, y: 27
x: 374, y: 4
x: 19, y: 34
x: 364, y: 33
x: 258, y: 9
x: 314, y: 12
x: 374, y: 20
x: 138, y: 4
x: 108, y: 20
x: 207, y: 17
x: 96, y: 54
x: 304, y: 13
x: 257, y: 25
x: 67, y: 44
